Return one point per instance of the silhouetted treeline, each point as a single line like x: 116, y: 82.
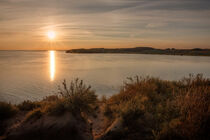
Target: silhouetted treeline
x: 145, y: 50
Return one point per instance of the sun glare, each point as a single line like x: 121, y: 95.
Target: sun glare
x: 51, y: 35
x: 52, y: 65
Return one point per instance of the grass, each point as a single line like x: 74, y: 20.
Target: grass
x: 27, y: 105
x: 76, y: 98
x: 7, y: 111
x: 149, y: 108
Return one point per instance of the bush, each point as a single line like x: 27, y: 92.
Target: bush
x: 151, y: 108
x: 194, y: 106
x: 78, y: 97
x: 28, y: 105
x: 55, y: 108
x: 51, y: 98
x: 6, y: 111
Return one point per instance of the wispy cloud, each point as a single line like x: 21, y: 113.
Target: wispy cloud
x: 158, y: 23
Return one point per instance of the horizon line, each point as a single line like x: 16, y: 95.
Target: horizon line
x: 97, y: 48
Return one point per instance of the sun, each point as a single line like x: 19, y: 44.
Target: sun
x: 51, y: 35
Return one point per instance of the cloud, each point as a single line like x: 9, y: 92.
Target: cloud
x: 155, y: 25
x: 105, y: 19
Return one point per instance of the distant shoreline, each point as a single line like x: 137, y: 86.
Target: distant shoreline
x: 146, y: 50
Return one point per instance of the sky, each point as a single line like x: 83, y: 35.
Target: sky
x: 182, y: 24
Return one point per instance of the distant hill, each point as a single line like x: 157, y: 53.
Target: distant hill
x: 145, y: 50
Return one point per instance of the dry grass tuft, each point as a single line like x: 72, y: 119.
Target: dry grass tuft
x: 157, y: 109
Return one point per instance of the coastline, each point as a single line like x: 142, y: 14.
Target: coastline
x: 145, y: 50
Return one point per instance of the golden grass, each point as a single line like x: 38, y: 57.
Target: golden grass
x: 149, y: 108
x: 157, y: 109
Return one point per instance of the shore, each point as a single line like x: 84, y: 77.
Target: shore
x: 145, y: 108
x: 146, y: 50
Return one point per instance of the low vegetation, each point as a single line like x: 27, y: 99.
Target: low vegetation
x: 76, y: 98
x: 151, y: 108
x: 7, y: 111
x: 148, y: 108
x: 27, y: 105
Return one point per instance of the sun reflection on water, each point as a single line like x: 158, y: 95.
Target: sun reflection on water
x: 52, y: 65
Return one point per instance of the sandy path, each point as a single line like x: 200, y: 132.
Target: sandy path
x: 98, y: 124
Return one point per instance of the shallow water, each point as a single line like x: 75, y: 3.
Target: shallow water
x: 31, y: 75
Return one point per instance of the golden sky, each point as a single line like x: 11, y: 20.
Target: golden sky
x: 104, y: 23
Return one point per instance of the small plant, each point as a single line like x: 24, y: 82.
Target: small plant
x: 78, y: 97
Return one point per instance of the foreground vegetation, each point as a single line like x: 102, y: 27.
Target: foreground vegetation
x: 145, y: 108
x: 151, y: 108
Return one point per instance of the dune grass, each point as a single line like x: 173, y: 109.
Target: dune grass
x: 7, y: 111
x: 149, y: 108
x: 28, y: 105
x: 76, y: 98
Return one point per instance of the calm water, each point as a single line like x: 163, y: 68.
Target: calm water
x: 31, y: 75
